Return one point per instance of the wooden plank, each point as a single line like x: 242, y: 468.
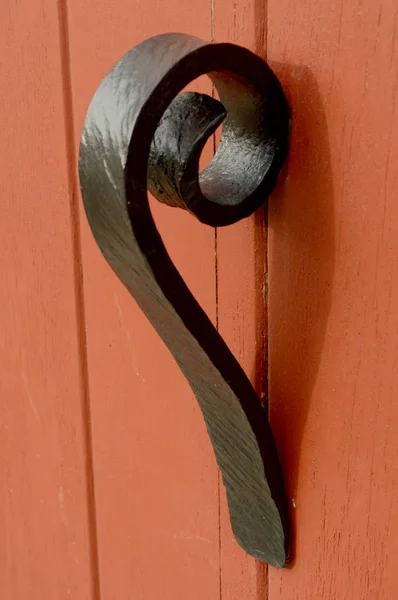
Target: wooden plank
x: 333, y: 292
x: 155, y: 473
x: 241, y: 278
x: 44, y: 466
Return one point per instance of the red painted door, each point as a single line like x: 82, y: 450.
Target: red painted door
x: 109, y: 488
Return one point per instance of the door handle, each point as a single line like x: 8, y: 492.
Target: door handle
x: 140, y: 133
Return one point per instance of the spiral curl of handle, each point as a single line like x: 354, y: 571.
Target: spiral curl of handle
x: 141, y: 133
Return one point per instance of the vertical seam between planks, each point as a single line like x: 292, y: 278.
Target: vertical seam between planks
x: 260, y: 48
x: 217, y: 327
x: 262, y: 39
x: 219, y: 472
x: 212, y: 20
x: 79, y: 291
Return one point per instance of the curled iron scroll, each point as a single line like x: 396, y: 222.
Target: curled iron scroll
x: 141, y: 133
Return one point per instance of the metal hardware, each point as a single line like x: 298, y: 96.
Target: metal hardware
x: 141, y: 133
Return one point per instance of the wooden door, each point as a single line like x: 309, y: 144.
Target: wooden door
x: 109, y: 488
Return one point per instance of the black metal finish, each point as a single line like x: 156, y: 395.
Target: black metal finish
x: 140, y: 134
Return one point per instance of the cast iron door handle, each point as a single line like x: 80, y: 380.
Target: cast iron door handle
x: 141, y: 133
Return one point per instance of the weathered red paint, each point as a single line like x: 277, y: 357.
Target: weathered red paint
x: 84, y: 414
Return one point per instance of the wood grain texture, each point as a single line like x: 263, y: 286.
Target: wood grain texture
x: 241, y: 295
x: 156, y: 477
x: 333, y: 293
x: 333, y: 323
x: 44, y: 466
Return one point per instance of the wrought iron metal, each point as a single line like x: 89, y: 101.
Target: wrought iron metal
x: 141, y: 133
